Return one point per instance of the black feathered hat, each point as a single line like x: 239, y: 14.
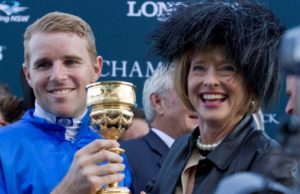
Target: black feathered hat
x: 248, y: 33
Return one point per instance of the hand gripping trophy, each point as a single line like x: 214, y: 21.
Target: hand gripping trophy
x: 111, y: 104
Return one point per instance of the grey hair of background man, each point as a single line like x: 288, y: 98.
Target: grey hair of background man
x: 159, y: 83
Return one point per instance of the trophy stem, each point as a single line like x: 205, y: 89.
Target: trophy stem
x: 117, y: 150
x: 114, y: 188
x: 113, y: 185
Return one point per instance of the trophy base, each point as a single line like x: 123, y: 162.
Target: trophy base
x: 114, y: 190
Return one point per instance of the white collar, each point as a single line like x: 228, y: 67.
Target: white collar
x: 70, y: 124
x: 163, y: 136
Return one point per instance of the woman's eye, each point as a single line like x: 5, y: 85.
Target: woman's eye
x: 198, y: 68
x: 227, y: 70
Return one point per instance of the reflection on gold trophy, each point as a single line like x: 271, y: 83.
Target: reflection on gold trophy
x: 111, y: 105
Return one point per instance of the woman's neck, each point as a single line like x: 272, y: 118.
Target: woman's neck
x: 213, y: 132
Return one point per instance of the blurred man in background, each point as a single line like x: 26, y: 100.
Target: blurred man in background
x: 291, y: 92
x: 11, y: 109
x: 290, y: 65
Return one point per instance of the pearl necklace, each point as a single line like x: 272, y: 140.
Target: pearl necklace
x: 206, y: 147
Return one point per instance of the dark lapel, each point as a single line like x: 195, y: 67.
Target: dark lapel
x: 174, y: 164
x: 157, y: 145
x: 223, y: 155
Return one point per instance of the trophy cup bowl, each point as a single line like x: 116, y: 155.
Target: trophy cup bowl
x: 111, y: 104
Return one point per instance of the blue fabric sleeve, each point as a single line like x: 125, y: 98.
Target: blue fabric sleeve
x: 2, y: 182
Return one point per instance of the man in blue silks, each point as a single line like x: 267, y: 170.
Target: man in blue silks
x: 53, y: 148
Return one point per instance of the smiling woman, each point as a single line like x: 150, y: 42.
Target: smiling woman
x: 217, y: 92
x: 226, y: 67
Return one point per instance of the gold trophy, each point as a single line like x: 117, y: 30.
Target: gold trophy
x: 111, y: 105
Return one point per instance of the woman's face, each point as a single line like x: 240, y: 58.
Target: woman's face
x: 216, y: 90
